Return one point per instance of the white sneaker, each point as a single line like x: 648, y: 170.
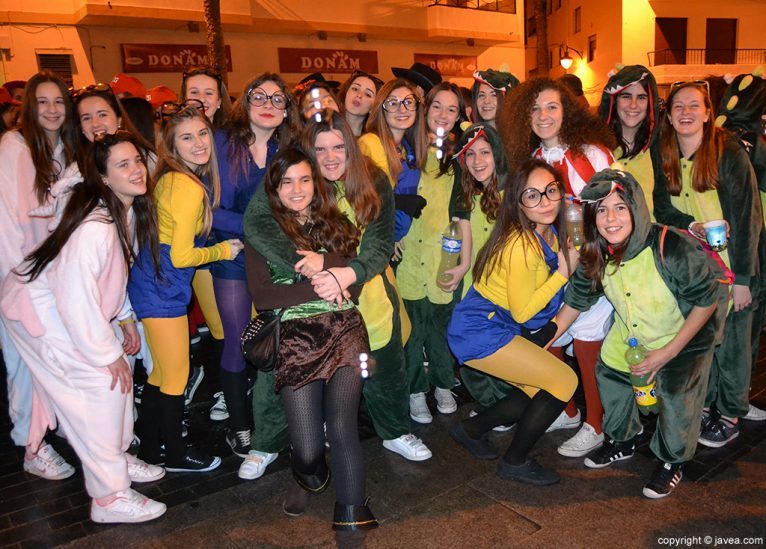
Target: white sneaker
x: 219, y: 411
x: 419, y: 408
x: 755, y: 414
x: 409, y: 447
x: 140, y: 471
x: 582, y: 443
x: 49, y: 464
x: 564, y: 422
x: 255, y: 464
x: 127, y: 506
x: 499, y: 428
x: 445, y: 401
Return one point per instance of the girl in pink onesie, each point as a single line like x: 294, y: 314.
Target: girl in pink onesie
x: 63, y: 307
x: 32, y: 159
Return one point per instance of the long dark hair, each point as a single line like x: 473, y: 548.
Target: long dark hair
x: 92, y: 193
x: 346, y: 86
x: 445, y: 163
x: 239, y: 133
x: 597, y: 253
x: 578, y: 127
x: 643, y: 134
x: 490, y: 200
x: 222, y: 114
x: 358, y: 182
x: 124, y: 120
x: 47, y: 169
x: 416, y: 135
x: 326, y: 227
x: 512, y: 223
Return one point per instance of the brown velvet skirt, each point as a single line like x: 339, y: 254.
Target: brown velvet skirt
x: 315, y: 347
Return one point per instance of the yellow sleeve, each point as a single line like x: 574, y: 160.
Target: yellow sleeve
x: 185, y: 207
x: 372, y: 148
x: 530, y: 285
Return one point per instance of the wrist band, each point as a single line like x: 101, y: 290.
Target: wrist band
x: 125, y: 322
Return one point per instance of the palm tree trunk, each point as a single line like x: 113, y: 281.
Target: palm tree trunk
x: 541, y: 27
x: 216, y: 52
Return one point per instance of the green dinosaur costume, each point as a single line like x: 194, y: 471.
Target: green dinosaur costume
x: 736, y: 201
x: 742, y: 106
x: 662, y: 276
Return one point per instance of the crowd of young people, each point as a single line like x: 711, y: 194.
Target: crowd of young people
x: 327, y: 202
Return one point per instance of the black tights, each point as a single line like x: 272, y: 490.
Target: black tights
x: 533, y: 415
x: 337, y: 404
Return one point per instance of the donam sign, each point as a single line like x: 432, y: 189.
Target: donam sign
x: 166, y: 57
x: 333, y: 61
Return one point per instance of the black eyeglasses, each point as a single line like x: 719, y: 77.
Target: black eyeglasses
x: 698, y: 83
x: 393, y: 104
x: 207, y: 71
x: 170, y: 109
x: 258, y: 98
x: 531, y: 198
x: 91, y: 89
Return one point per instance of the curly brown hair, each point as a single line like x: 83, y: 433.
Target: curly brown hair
x: 578, y: 128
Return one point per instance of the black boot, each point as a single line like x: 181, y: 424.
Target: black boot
x: 148, y: 425
x: 234, y: 385
x: 180, y: 459
x: 353, y: 517
x: 315, y: 482
x: 296, y: 500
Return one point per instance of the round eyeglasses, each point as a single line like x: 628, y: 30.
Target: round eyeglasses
x: 531, y: 198
x: 393, y: 104
x: 258, y: 98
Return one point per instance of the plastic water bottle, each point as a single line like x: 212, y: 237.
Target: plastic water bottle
x: 573, y: 217
x: 452, y: 242
x: 645, y: 393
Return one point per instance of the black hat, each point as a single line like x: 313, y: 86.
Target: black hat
x: 420, y: 74
x: 319, y: 77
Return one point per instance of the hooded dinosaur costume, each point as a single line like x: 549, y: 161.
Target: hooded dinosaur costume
x: 742, y: 108
x: 735, y: 199
x: 643, y: 159
x: 662, y: 276
x: 500, y: 81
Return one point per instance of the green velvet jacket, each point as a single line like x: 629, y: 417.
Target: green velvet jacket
x: 377, y: 245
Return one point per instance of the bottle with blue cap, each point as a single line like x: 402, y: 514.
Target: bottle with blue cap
x: 644, y: 392
x: 452, y: 243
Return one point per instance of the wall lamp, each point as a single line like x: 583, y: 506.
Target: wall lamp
x: 566, y: 59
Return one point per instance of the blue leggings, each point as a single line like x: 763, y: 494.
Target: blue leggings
x: 235, y: 308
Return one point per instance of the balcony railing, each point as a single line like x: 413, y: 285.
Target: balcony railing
x: 502, y: 6
x: 707, y: 57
